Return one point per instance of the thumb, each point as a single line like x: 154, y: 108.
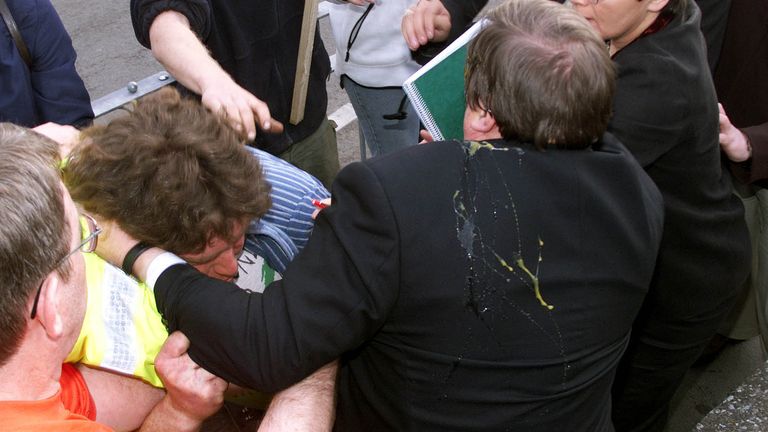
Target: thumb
x: 175, y: 346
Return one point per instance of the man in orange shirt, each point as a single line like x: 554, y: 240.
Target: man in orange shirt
x: 43, y: 298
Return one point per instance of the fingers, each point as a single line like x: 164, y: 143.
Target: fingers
x: 722, y: 117
x: 247, y: 121
x: 408, y: 30
x: 244, y: 111
x: 62, y: 134
x: 724, y: 122
x: 175, y: 346
x: 425, y: 136
x: 319, y: 206
x: 214, y: 383
x: 265, y: 120
x: 427, y: 27
x: 66, y: 136
x: 218, y: 385
x: 418, y: 19
x: 427, y: 20
x: 723, y: 139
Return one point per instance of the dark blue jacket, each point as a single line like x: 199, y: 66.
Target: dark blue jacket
x: 51, y: 90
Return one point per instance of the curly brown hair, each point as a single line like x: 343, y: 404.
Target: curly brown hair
x: 170, y: 173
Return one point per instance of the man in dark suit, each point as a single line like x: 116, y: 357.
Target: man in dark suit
x: 486, y: 285
x: 742, y: 90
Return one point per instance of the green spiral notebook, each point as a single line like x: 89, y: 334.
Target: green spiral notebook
x: 437, y: 89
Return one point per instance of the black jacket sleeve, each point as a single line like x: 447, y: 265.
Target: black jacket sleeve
x: 462, y: 13
x: 144, y: 12
x: 336, y: 294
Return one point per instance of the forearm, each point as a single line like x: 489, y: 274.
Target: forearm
x: 308, y: 405
x: 178, y: 49
x: 165, y: 416
x: 110, y: 391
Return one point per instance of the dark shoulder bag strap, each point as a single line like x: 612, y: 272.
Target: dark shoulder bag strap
x: 17, y: 39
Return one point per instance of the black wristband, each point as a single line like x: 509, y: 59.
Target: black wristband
x: 132, y: 255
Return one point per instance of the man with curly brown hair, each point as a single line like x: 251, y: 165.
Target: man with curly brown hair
x: 176, y: 176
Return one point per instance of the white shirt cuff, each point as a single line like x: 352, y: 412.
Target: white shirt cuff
x: 160, y: 264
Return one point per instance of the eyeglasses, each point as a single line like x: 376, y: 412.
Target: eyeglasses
x: 90, y: 231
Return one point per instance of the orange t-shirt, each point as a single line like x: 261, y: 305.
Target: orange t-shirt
x: 47, y: 415
x: 74, y: 392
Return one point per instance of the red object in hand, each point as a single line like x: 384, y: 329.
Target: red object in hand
x: 319, y: 204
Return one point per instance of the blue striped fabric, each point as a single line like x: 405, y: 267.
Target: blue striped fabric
x: 281, y: 233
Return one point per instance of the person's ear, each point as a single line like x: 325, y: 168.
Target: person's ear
x: 657, y: 5
x: 50, y: 306
x: 482, y: 120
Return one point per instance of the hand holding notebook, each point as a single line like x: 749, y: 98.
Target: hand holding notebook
x: 437, y: 89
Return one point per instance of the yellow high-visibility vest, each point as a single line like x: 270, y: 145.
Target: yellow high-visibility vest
x: 122, y: 330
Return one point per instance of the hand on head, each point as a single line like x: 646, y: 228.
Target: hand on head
x: 67, y: 136
x: 243, y: 110
x: 424, y: 22
x: 733, y: 141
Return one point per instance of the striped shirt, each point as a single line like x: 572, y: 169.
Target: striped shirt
x: 284, y: 230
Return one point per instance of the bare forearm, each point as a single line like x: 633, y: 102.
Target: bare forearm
x: 308, y: 405
x: 177, y: 47
x: 110, y: 391
x: 166, y: 417
x: 179, y: 50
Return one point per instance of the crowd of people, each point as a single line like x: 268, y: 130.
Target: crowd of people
x: 562, y: 267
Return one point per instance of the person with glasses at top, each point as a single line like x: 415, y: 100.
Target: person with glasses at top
x: 665, y: 111
x: 43, y: 301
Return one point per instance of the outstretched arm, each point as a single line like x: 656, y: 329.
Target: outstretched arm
x: 177, y: 47
x: 336, y: 294
x: 307, y: 405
